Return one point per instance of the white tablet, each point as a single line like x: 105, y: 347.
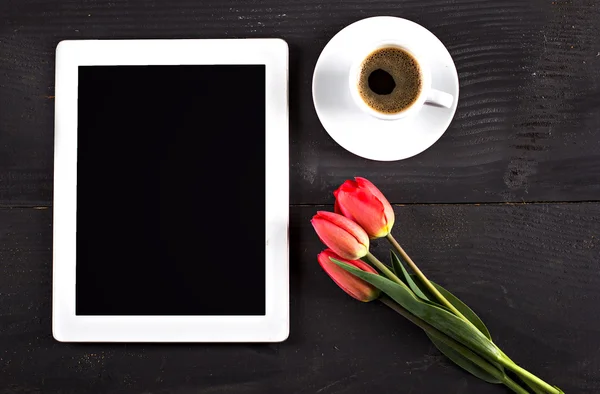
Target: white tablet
x: 171, y: 191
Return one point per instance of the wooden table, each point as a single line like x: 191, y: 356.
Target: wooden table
x: 503, y: 210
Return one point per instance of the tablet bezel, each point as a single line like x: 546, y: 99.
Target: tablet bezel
x: 274, y: 325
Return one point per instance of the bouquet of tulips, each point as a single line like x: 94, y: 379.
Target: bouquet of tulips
x: 361, y: 213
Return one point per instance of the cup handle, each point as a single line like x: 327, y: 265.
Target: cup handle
x: 439, y: 98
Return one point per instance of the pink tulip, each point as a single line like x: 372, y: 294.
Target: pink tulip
x: 361, y: 201
x: 341, y: 234
x: 352, y: 285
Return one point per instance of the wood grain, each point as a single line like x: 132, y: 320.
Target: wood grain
x: 527, y: 126
x: 530, y: 271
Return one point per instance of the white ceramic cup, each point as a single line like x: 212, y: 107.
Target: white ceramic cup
x: 427, y: 95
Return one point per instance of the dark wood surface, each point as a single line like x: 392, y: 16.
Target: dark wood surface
x: 527, y: 127
x: 530, y: 271
x: 527, y: 130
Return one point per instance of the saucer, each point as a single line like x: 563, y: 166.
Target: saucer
x: 363, y: 134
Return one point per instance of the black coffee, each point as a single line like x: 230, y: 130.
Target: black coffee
x: 389, y: 80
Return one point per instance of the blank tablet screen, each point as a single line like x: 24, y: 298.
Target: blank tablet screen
x: 171, y: 190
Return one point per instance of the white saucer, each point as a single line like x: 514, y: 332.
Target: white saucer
x: 363, y: 134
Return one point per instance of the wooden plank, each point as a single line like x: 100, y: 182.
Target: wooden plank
x: 530, y: 271
x: 527, y: 127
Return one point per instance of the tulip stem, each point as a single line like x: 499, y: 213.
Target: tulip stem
x: 426, y: 281
x: 460, y: 348
x: 527, y: 376
x: 529, y: 382
x: 384, y: 269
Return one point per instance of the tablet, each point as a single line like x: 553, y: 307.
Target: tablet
x: 171, y: 191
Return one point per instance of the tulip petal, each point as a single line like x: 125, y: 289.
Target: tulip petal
x: 339, y: 240
x: 353, y: 286
x: 347, y: 225
x: 337, y: 208
x: 367, y: 210
x: 364, y: 183
x: 388, y: 210
x: 348, y: 186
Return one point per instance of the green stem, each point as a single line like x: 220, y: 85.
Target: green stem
x: 528, y: 382
x: 426, y: 281
x: 391, y: 276
x: 530, y: 379
x: 463, y: 350
x: 525, y: 374
x: 533, y: 387
x: 514, y: 386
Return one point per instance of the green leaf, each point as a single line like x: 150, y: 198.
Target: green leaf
x: 463, y: 362
x: 402, y: 273
x: 456, y: 352
x: 438, y: 317
x: 398, y: 268
x: 419, y: 288
x: 458, y: 304
x: 467, y: 312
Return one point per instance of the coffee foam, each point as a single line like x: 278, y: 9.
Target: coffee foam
x: 406, y: 73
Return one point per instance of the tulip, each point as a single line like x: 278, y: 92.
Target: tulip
x: 360, y: 201
x: 351, y: 284
x: 341, y: 235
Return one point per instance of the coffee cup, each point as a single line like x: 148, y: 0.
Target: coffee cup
x: 391, y: 80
